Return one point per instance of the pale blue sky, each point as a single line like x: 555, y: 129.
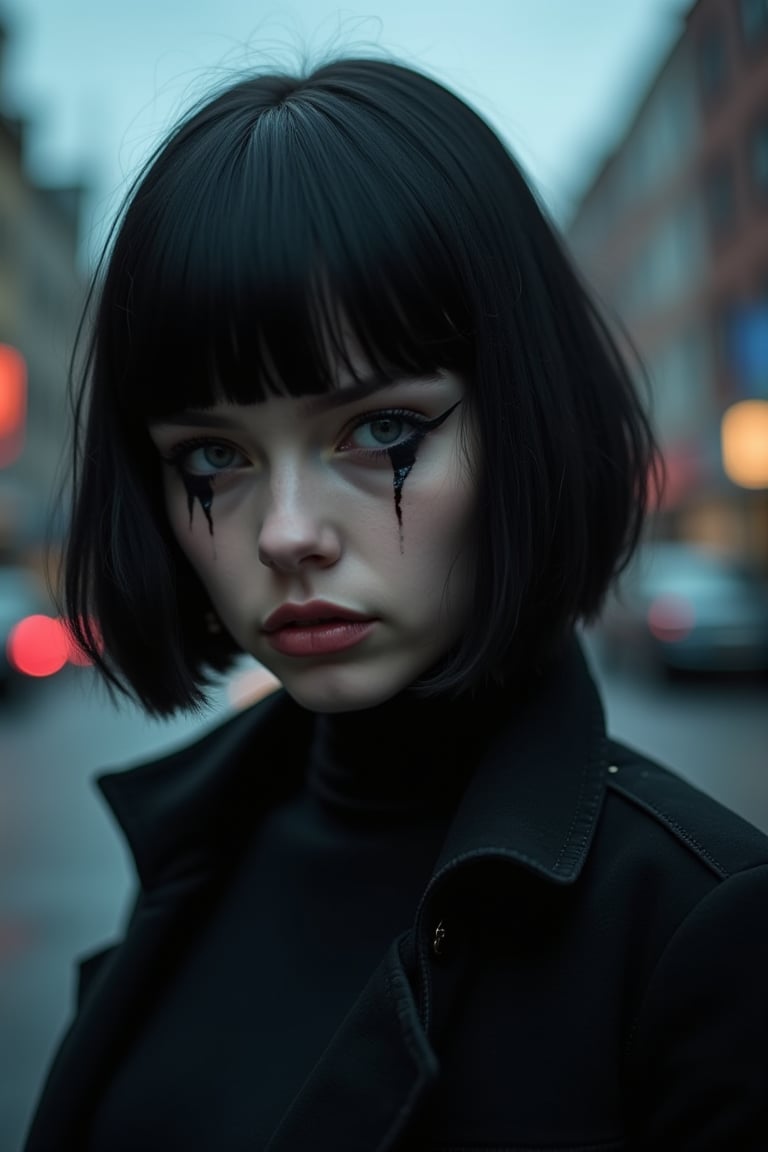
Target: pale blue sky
x: 101, y: 79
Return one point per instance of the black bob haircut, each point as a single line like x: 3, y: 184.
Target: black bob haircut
x: 280, y: 216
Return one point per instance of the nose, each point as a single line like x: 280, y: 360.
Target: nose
x: 296, y: 532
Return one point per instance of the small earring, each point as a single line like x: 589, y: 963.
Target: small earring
x: 212, y: 623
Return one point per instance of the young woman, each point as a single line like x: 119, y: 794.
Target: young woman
x: 349, y: 409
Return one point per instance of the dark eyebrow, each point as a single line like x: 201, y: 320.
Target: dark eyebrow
x: 325, y: 401
x: 346, y: 394
x: 361, y: 387
x: 195, y: 419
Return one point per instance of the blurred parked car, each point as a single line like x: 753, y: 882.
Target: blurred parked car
x: 685, y: 608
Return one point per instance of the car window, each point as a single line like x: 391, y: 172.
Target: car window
x: 696, y: 582
x: 683, y: 573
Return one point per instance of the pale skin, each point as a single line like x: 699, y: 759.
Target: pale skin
x: 301, y: 495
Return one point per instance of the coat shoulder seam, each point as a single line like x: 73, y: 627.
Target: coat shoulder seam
x: 674, y: 825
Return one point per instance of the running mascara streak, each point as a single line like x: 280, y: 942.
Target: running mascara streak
x: 403, y: 457
x: 199, y: 488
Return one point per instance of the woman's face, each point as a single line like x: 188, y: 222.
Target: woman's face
x: 332, y: 533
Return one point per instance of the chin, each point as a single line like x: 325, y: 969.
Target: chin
x: 343, y: 689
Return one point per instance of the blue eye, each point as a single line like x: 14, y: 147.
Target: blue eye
x: 381, y: 431
x: 385, y: 431
x: 206, y: 457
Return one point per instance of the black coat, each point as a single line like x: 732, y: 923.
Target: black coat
x: 588, y: 968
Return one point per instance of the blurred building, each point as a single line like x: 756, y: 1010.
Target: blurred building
x: 42, y: 290
x: 672, y: 232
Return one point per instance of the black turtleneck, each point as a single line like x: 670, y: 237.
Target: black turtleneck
x: 329, y: 876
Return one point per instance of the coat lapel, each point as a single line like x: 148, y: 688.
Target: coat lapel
x: 179, y: 814
x: 376, y: 1072
x: 364, y: 1091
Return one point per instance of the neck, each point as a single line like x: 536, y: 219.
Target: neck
x: 410, y: 753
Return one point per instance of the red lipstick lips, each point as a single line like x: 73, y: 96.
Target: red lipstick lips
x: 315, y: 628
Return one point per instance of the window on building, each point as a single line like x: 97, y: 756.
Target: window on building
x: 682, y: 374
x: 754, y: 20
x: 8, y: 243
x: 758, y: 156
x: 720, y: 197
x: 712, y: 64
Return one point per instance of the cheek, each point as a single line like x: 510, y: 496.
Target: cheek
x: 226, y: 562
x: 178, y: 518
x: 438, y: 531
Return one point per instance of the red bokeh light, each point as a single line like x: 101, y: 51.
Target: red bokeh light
x: 670, y: 618
x: 38, y: 646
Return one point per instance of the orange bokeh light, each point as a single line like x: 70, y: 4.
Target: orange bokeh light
x: 744, y: 442
x: 251, y: 685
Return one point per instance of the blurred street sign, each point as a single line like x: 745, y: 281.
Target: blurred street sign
x: 748, y: 350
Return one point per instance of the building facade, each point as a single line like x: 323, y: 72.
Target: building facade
x: 673, y: 234
x: 42, y: 291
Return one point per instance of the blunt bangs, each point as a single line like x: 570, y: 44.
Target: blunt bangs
x: 264, y: 250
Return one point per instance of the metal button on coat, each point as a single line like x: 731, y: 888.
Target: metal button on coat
x: 438, y: 939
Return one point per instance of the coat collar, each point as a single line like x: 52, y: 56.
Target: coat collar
x: 534, y: 798
x: 537, y: 793
x: 180, y: 811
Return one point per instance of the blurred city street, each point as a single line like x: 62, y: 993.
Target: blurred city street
x: 66, y: 879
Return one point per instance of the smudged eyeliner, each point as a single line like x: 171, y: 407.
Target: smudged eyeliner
x: 403, y: 457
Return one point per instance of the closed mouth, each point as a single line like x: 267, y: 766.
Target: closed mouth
x: 309, y: 616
